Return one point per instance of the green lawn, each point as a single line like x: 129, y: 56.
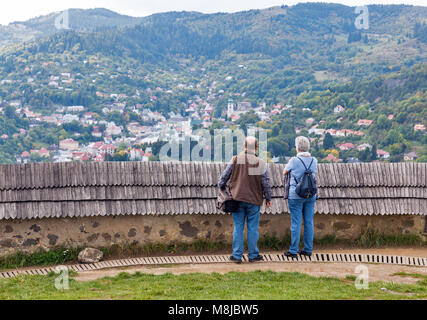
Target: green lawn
x: 234, y: 285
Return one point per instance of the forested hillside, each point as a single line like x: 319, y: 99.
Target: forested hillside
x: 309, y: 56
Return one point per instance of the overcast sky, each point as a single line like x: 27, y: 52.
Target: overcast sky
x: 20, y: 10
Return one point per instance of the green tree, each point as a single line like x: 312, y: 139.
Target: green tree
x: 328, y: 141
x: 374, y: 153
x: 9, y: 112
x: 382, y: 122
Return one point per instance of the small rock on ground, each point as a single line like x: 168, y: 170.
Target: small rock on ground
x: 90, y: 255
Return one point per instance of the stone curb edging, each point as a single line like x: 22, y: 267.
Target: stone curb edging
x: 209, y: 259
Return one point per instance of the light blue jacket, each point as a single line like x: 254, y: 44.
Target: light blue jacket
x: 297, y: 169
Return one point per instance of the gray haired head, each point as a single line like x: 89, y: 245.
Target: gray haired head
x: 302, y: 144
x: 251, y: 143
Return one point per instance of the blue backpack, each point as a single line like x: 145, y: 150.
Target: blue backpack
x: 306, y: 188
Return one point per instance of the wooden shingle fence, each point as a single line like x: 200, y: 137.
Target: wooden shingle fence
x: 49, y: 190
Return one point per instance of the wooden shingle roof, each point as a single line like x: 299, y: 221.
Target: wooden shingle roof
x: 78, y: 189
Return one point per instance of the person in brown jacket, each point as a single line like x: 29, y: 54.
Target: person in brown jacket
x: 249, y: 183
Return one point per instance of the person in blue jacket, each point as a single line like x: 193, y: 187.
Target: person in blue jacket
x: 301, y: 209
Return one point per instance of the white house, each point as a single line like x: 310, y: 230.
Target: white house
x: 70, y: 118
x: 364, y: 146
x: 113, y: 130
x: 339, y: 109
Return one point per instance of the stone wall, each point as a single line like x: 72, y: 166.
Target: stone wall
x: 28, y: 235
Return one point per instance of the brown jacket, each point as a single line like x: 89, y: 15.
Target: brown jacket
x: 245, y: 180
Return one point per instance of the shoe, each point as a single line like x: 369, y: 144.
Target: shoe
x: 233, y: 259
x: 292, y: 255
x: 257, y: 259
x: 304, y: 253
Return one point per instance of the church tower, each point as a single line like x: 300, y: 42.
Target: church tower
x: 230, y: 109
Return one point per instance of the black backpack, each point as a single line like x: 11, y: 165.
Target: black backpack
x: 307, y: 187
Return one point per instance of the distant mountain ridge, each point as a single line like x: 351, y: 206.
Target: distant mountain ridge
x: 306, y: 30
x: 328, y: 18
x: 85, y: 20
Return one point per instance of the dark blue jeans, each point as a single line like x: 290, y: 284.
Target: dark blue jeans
x: 302, y: 209
x: 250, y: 213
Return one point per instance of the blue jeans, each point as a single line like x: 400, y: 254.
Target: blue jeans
x: 302, y: 209
x: 249, y: 212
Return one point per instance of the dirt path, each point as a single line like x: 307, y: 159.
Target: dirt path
x: 377, y: 272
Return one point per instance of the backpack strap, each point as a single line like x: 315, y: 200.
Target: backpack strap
x: 305, y: 167
x: 312, y: 159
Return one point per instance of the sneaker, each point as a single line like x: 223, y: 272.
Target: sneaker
x: 257, y: 259
x: 235, y: 260
x: 292, y: 255
x: 304, y: 253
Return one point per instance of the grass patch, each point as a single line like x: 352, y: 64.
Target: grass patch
x: 40, y: 257
x: 257, y: 285
x: 372, y: 238
x: 420, y: 284
x: 413, y: 275
x: 61, y: 255
x: 274, y: 243
x: 419, y: 288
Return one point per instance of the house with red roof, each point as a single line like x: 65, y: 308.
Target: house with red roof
x: 80, y: 156
x: 365, y: 122
x: 332, y: 158
x: 99, y: 158
x: 94, y: 148
x: 382, y: 154
x: 235, y: 117
x: 96, y: 132
x: 276, y: 111
x: 68, y: 144
x: 419, y: 127
x: 358, y: 133
x: 346, y: 146
x: 339, y: 109
x: 43, y: 152
x: 25, y: 155
x: 332, y: 132
x: 108, y: 149
x: 411, y: 156
x: 309, y: 121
